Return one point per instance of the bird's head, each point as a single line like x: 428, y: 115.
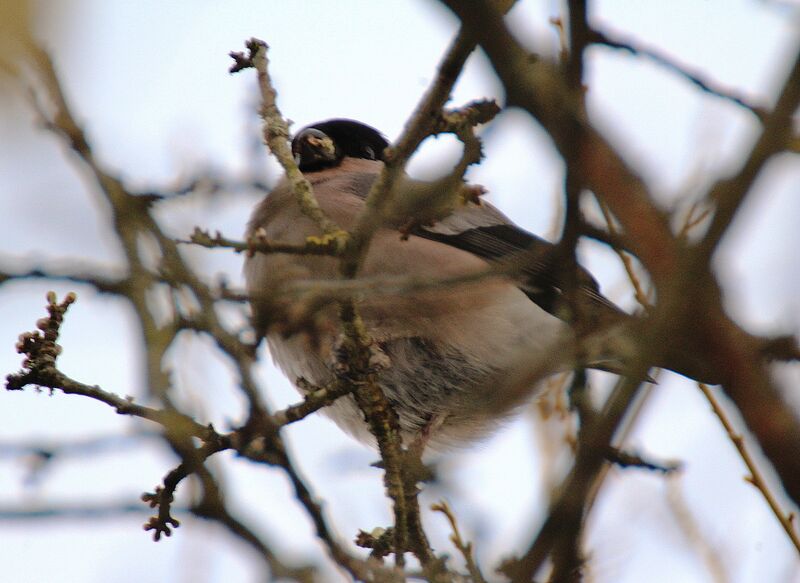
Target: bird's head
x: 324, y: 144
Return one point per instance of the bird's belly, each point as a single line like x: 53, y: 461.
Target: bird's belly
x: 434, y: 381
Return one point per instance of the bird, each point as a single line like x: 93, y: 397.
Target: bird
x: 445, y: 353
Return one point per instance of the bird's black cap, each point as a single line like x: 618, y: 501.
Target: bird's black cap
x: 346, y: 137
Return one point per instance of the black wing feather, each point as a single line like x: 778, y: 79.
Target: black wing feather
x: 541, y: 284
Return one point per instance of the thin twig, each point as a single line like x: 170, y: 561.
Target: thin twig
x: 567, y: 511
x: 315, y: 399
x: 40, y: 369
x: 627, y: 262
x: 756, y: 478
x: 260, y: 244
x: 419, y: 126
x: 355, y: 352
x: 276, y: 136
x: 465, y: 548
x: 162, y: 497
x: 706, y: 85
x: 268, y: 450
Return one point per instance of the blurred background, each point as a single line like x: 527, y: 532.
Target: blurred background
x: 149, y: 82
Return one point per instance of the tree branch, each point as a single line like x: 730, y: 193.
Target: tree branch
x: 276, y: 135
x: 692, y: 304
x: 635, y: 48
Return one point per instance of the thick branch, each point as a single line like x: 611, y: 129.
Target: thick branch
x: 730, y: 194
x: 691, y: 304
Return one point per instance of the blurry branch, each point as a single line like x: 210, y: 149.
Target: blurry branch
x: 572, y: 61
x: 131, y: 220
x: 559, y: 535
x: 302, y: 574
x: 794, y: 144
x: 690, y: 313
x: 766, y: 413
x: 565, y: 550
x: 208, y: 183
x: 75, y: 274
x: 578, y: 39
x: 729, y: 194
x: 637, y: 404
x: 80, y: 512
x: 363, y: 287
x: 627, y: 459
x: 633, y: 47
x: 51, y: 449
x: 756, y: 478
x: 421, y: 202
x: 610, y: 237
x: 561, y: 539
x: 214, y: 508
x: 646, y: 391
x: 110, y: 511
x: 37, y: 456
x: 691, y: 529
x: 564, y: 521
x: 691, y: 306
x: 538, y: 87
x: 358, y: 569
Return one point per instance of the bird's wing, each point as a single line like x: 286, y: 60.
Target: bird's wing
x: 486, y: 232
x: 482, y: 230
